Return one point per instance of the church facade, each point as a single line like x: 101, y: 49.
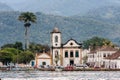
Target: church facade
x: 69, y: 53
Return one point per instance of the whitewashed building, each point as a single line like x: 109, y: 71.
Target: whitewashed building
x: 70, y: 53
x: 106, y: 57
x: 113, y: 61
x: 43, y: 59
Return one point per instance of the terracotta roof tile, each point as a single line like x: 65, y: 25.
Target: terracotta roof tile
x: 48, y: 53
x: 104, y: 48
x: 92, y: 52
x: 108, y: 49
x: 114, y: 56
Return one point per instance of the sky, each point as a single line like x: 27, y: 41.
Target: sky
x: 60, y: 7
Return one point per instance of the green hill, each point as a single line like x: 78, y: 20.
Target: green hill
x: 79, y: 28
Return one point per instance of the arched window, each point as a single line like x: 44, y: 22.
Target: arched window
x: 66, y: 54
x: 56, y: 38
x: 43, y: 63
x: 76, y: 54
x: 71, y: 54
x: 104, y: 55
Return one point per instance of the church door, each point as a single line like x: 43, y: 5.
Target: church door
x: 71, y: 62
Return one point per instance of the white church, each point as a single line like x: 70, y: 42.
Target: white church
x: 62, y: 54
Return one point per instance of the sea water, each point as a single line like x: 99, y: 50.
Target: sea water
x: 64, y: 75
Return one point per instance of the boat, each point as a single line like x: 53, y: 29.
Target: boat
x: 58, y: 68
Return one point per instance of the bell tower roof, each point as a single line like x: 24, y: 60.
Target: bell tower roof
x: 55, y: 30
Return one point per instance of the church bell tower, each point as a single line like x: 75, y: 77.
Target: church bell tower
x: 56, y: 38
x: 56, y: 46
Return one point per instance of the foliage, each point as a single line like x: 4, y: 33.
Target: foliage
x: 6, y: 55
x: 15, y: 53
x: 97, y: 41
x: 7, y: 46
x: 16, y: 45
x: 38, y: 47
x: 26, y: 57
x: 27, y: 17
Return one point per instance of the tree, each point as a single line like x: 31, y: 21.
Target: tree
x: 15, y: 55
x: 26, y: 57
x: 6, y: 55
x: 16, y: 45
x: 27, y: 18
x: 7, y: 46
x: 38, y: 47
x: 97, y: 41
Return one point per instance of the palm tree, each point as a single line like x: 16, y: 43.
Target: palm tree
x: 27, y: 18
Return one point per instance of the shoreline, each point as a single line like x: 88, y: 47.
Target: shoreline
x: 81, y: 70
x: 52, y: 69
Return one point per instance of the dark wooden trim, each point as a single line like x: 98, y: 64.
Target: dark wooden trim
x: 73, y: 40
x: 54, y: 32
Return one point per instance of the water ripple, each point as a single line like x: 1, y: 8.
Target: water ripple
x: 51, y: 75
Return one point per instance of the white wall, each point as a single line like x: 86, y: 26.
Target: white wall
x: 44, y: 60
x: 44, y: 55
x: 1, y: 64
x: 118, y: 63
x: 85, y: 52
x: 69, y: 44
x: 66, y: 61
x: 98, y: 56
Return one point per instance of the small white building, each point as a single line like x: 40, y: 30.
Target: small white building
x: 43, y: 59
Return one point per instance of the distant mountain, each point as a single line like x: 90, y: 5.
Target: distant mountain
x: 4, y: 7
x: 76, y: 27
x: 109, y: 14
x: 59, y: 7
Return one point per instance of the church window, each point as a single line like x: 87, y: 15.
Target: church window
x: 104, y: 55
x: 56, y: 38
x: 76, y: 54
x: 66, y: 54
x: 56, y: 44
x: 71, y: 54
x: 71, y: 44
x: 43, y: 63
x: 108, y: 55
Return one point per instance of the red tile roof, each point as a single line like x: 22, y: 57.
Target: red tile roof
x: 92, y: 52
x: 48, y: 53
x: 107, y: 48
x: 114, y: 56
x: 104, y: 48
